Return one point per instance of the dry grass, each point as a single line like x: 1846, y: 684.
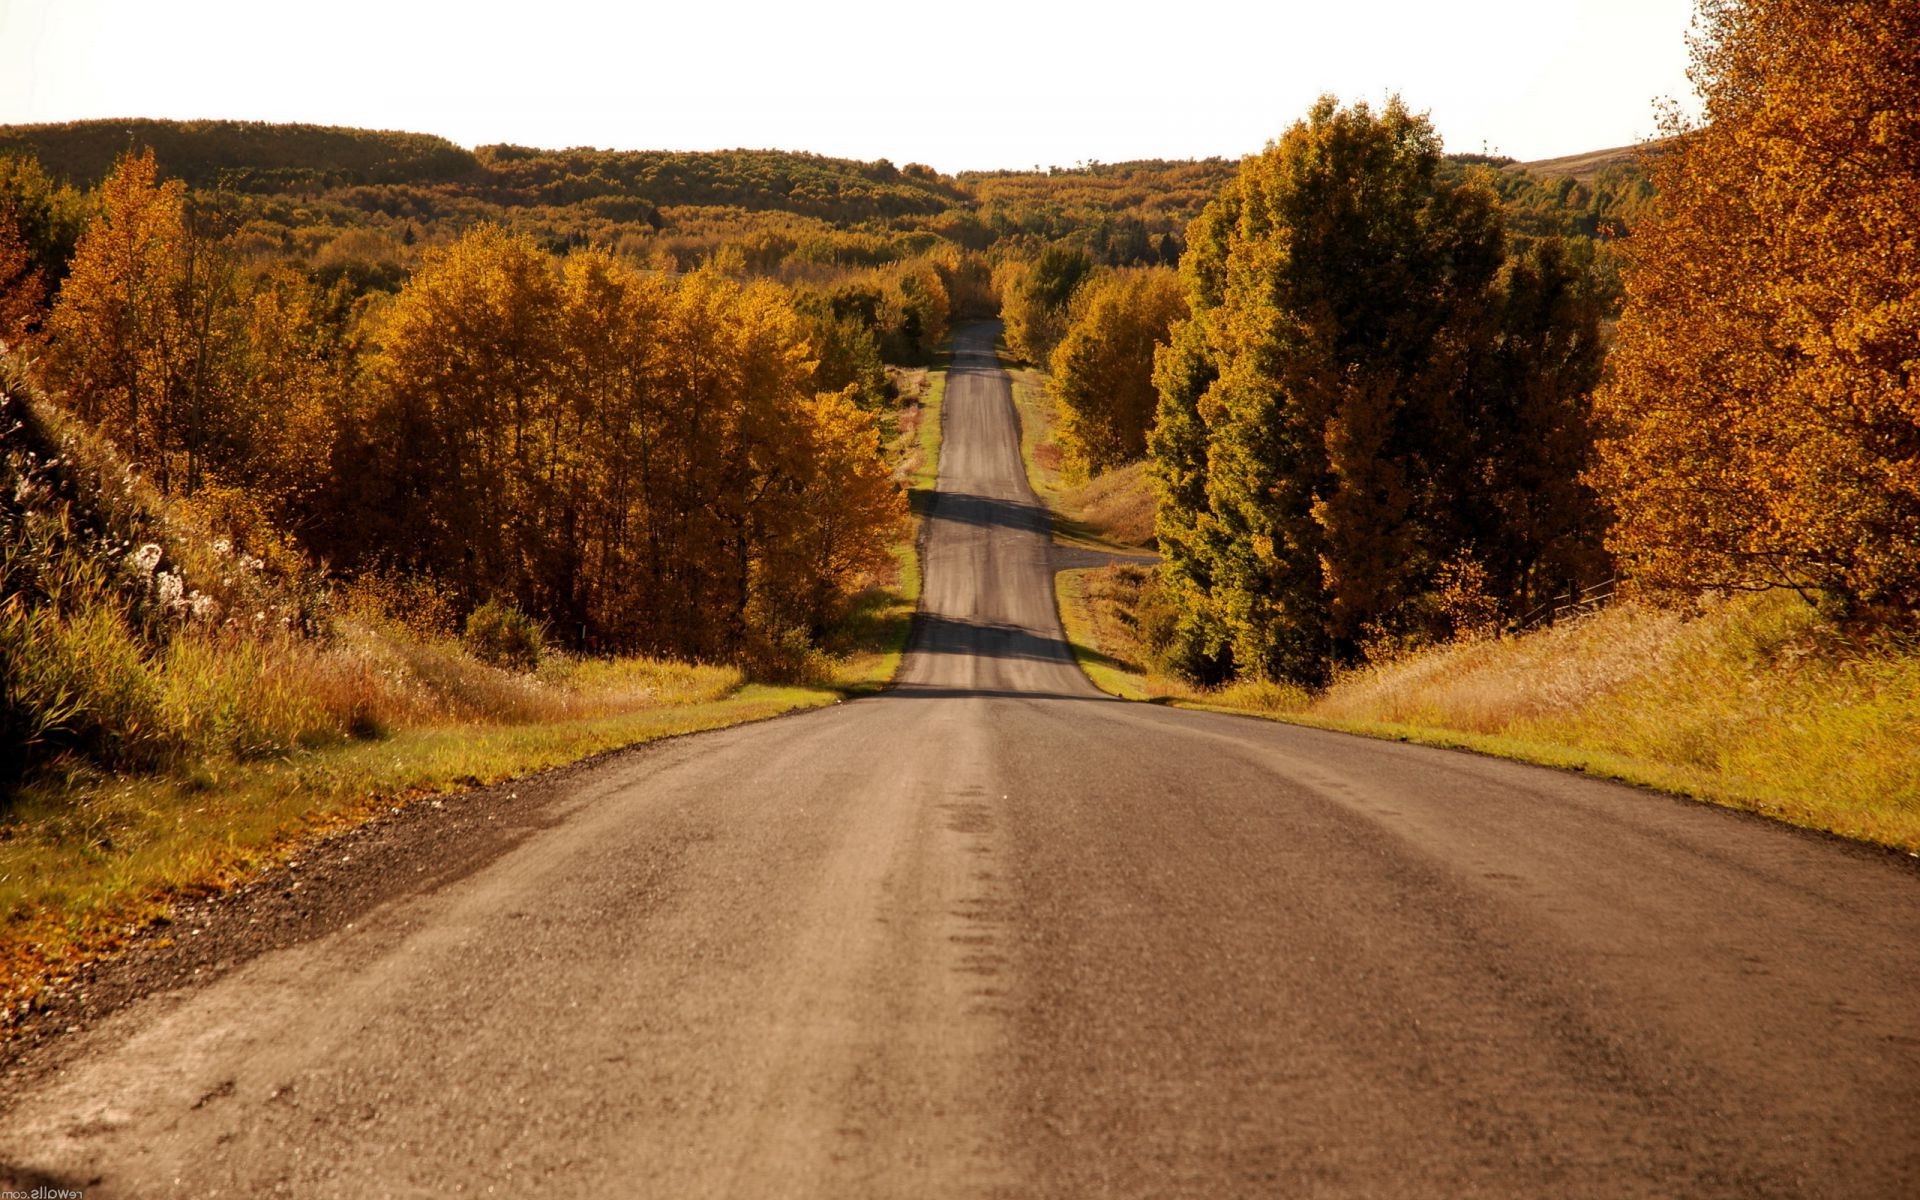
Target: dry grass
x: 1584, y: 167
x: 1118, y: 506
x: 1113, y: 510
x: 1755, y: 702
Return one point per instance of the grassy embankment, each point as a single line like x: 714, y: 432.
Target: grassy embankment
x: 258, y: 746
x: 1113, y: 511
x: 1754, y: 702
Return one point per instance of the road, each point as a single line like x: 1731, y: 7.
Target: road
x: 994, y: 934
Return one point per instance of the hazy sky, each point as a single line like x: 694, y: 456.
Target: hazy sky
x: 996, y: 83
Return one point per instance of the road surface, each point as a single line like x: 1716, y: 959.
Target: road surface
x: 993, y: 934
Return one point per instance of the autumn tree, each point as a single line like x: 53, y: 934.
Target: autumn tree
x: 969, y: 282
x: 23, y: 286
x: 1101, y: 373
x: 297, y: 401
x: 1762, y: 418
x: 1035, y: 295
x: 915, y: 311
x: 647, y: 462
x: 1361, y: 359
x: 467, y: 356
x: 142, y: 335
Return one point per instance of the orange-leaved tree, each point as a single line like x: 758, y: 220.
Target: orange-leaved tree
x: 1762, y: 419
x: 142, y: 334
x: 647, y: 464
x: 23, y: 286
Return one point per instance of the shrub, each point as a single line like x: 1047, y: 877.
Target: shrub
x: 503, y: 636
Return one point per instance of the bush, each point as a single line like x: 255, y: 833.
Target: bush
x: 503, y: 636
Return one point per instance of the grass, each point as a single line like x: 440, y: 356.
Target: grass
x: 1756, y: 703
x: 81, y: 871
x: 1111, y: 511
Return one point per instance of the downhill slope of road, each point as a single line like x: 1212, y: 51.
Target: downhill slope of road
x: 994, y: 934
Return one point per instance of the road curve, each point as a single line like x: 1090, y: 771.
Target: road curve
x: 994, y: 934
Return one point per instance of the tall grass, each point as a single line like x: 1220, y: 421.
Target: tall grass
x: 1756, y: 701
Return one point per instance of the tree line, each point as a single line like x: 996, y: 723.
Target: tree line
x: 650, y: 463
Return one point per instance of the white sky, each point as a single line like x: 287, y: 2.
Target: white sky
x: 995, y: 83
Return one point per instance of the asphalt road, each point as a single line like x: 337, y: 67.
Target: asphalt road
x: 992, y: 934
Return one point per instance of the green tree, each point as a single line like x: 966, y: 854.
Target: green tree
x: 1330, y: 413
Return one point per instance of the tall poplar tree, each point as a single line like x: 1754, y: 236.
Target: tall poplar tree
x: 1356, y: 369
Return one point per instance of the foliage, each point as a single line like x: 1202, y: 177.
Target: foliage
x: 1120, y: 214
x: 646, y: 462
x: 1762, y: 420
x: 1035, y: 296
x: 1102, y: 371
x: 48, y: 216
x: 23, y: 285
x: 1368, y: 388
x: 500, y: 635
x: 138, y: 333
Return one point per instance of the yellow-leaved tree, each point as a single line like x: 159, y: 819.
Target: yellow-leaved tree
x: 1101, y: 373
x: 646, y: 464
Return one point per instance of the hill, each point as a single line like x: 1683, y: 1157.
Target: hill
x: 250, y: 155
x: 1586, y: 167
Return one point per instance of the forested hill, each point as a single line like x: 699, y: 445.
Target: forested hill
x: 362, y: 205
x: 252, y: 156
x: 424, y: 179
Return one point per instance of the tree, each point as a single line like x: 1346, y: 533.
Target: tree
x: 1358, y: 364
x: 288, y: 421
x: 1761, y: 426
x: 1034, y: 297
x: 467, y: 355
x: 142, y: 331
x: 646, y: 463
x: 23, y: 286
x: 1101, y: 373
x: 50, y: 215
